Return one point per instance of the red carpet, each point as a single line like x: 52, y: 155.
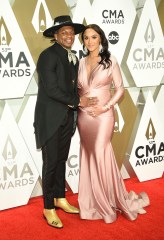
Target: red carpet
x: 27, y: 223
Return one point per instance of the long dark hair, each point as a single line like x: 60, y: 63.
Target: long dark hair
x: 105, y: 54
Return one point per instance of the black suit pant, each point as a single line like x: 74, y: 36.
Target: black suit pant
x: 55, y: 153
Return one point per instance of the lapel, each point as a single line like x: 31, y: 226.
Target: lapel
x: 62, y: 53
x: 66, y: 65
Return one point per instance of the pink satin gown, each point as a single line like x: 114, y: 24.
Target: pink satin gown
x: 101, y: 188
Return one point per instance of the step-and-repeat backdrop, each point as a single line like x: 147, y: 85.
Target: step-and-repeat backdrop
x: 134, y: 31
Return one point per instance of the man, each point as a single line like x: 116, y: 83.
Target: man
x: 57, y: 98
x: 55, y: 110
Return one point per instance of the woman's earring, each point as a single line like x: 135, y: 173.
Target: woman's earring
x: 100, y: 48
x: 85, y: 50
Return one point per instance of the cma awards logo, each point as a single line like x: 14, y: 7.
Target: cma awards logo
x: 13, y: 176
x: 5, y: 37
x: 113, y: 17
x: 41, y: 18
x: 11, y: 64
x: 72, y: 166
x: 9, y: 152
x: 149, y: 35
x: 151, y: 152
x: 150, y: 57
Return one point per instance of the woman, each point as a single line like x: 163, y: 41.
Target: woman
x: 101, y: 188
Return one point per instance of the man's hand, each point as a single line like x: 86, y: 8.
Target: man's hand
x: 88, y: 101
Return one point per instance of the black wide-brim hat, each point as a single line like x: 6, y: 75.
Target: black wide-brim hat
x: 62, y: 21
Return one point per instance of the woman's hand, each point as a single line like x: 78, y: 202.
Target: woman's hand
x: 97, y: 110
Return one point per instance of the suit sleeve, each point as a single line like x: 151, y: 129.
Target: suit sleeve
x: 47, y: 71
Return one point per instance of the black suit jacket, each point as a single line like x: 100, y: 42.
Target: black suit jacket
x: 55, y: 92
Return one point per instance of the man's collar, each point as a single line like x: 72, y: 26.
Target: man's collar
x: 71, y: 55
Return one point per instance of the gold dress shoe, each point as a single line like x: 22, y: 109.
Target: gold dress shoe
x: 52, y: 218
x: 64, y: 205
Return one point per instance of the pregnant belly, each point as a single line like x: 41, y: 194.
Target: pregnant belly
x: 103, y: 95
